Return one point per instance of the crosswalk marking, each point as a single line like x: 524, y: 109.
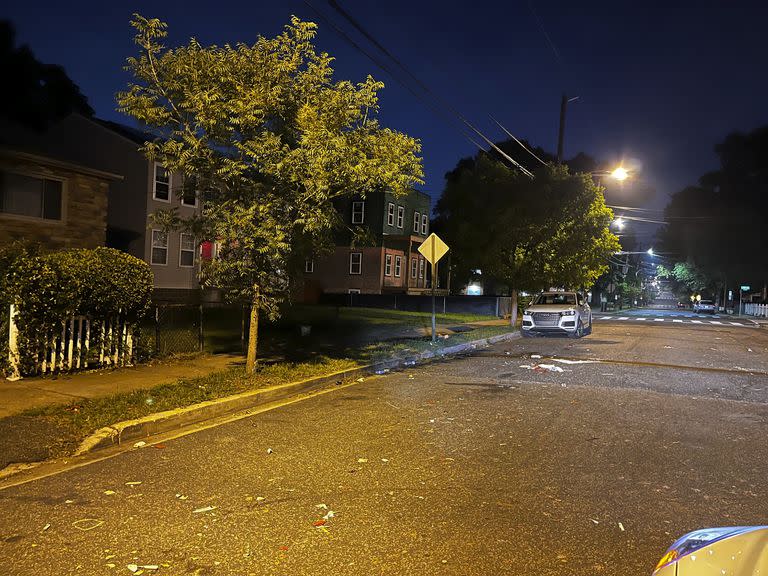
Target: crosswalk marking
x: 641, y: 318
x: 686, y: 320
x: 677, y: 321
x: 658, y: 319
x: 606, y: 317
x: 696, y: 321
x: 623, y: 318
x: 737, y: 324
x: 715, y: 322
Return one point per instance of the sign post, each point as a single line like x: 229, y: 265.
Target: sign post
x: 743, y: 288
x: 433, y: 248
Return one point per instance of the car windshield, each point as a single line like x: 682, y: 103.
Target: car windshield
x: 707, y: 302
x: 558, y: 298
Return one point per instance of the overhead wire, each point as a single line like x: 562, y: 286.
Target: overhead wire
x: 348, y: 17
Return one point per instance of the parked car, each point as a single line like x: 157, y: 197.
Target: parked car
x: 735, y: 550
x: 682, y: 305
x: 705, y: 306
x: 557, y: 313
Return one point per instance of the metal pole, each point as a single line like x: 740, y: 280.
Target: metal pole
x: 434, y: 272
x: 561, y: 132
x: 740, y: 300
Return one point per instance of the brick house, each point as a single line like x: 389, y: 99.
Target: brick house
x: 144, y: 187
x: 392, y: 265
x: 54, y: 203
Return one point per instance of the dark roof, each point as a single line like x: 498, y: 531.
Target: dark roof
x: 134, y: 134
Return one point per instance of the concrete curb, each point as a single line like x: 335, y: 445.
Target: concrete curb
x: 171, y: 420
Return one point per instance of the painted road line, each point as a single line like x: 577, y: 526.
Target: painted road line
x: 658, y: 319
x: 641, y: 318
x: 606, y: 317
x: 737, y: 324
x: 715, y: 322
x: 623, y: 318
x: 677, y: 321
x: 696, y: 321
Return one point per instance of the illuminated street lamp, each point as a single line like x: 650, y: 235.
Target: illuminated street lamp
x: 620, y: 174
x: 650, y: 251
x: 619, y: 222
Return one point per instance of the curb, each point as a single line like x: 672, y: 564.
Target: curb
x: 171, y: 420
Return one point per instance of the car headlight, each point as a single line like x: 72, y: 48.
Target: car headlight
x: 568, y: 313
x: 698, y: 539
x: 526, y: 312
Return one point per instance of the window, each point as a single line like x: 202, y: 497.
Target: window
x: 413, y: 267
x: 187, y: 250
x: 421, y: 268
x: 358, y: 212
x: 400, y: 216
x: 159, y: 247
x: 356, y: 263
x: 424, y: 224
x: 309, y: 265
x: 388, y: 265
x: 416, y: 222
x: 391, y: 214
x: 398, y: 265
x: 161, y: 190
x: 189, y: 192
x: 32, y: 196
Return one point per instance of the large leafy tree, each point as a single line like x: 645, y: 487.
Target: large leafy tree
x: 271, y: 139
x: 529, y: 234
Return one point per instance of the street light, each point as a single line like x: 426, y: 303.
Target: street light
x: 650, y: 251
x: 619, y: 223
x: 620, y: 174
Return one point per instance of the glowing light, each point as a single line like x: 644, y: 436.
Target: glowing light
x: 619, y: 223
x: 620, y: 174
x: 650, y: 251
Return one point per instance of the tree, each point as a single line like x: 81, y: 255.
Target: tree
x: 686, y: 278
x: 530, y: 234
x: 270, y: 139
x: 36, y: 94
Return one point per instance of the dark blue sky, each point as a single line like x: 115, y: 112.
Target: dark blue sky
x: 659, y: 82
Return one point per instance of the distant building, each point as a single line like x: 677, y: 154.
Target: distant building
x: 391, y: 265
x: 54, y: 203
x: 143, y: 188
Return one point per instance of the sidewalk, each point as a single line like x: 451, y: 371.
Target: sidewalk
x: 29, y: 393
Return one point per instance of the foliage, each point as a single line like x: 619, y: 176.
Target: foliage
x: 270, y: 139
x: 718, y: 225
x: 41, y: 93
x: 48, y: 288
x: 686, y: 278
x: 529, y: 233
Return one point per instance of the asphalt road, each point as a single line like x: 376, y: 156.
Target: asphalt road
x: 489, y: 464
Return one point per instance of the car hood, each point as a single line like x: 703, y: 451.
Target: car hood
x: 550, y: 307
x: 745, y: 553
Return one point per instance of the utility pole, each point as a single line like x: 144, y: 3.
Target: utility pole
x: 561, y: 133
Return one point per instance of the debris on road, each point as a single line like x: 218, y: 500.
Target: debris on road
x: 566, y: 361
x: 318, y: 523
x: 86, y: 524
x: 668, y: 347
x: 321, y: 506
x: 134, y: 483
x: 595, y: 521
x: 109, y: 492
x: 181, y: 496
x: 204, y: 509
x: 380, y: 372
x: 542, y: 367
x: 137, y: 569
x: 269, y: 450
x: 329, y: 515
x: 362, y: 460
x: 140, y: 444
x: 536, y: 356
x: 158, y: 446
x: 360, y: 380
x: 621, y: 526
x: 46, y: 527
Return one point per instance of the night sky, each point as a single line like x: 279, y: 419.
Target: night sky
x: 660, y: 83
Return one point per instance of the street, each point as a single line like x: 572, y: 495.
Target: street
x: 590, y: 459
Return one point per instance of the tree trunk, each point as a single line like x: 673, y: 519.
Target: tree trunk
x: 253, y: 333
x: 513, y: 308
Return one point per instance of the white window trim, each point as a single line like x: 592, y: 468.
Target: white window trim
x: 182, y: 250
x: 414, y: 267
x: 154, y: 183
x: 391, y: 214
x: 361, y: 203
x: 388, y: 265
x: 424, y: 223
x: 421, y: 268
x: 400, y: 217
x: 398, y: 266
x: 152, y: 248
x: 360, y: 264
x: 309, y: 266
x: 416, y: 221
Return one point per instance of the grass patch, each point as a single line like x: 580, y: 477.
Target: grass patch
x: 85, y: 417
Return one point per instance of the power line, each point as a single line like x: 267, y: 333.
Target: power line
x: 335, y: 5
x: 518, y: 141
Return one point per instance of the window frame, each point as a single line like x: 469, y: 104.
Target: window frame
x: 182, y: 249
x: 398, y: 266
x: 359, y: 264
x: 414, y: 268
x: 421, y: 268
x: 400, y: 216
x: 416, y: 221
x: 155, y: 166
x: 424, y: 223
x: 387, y: 264
x: 360, y: 203
x: 183, y: 195
x: 152, y: 247
x: 309, y: 265
x: 391, y: 214
x: 62, y: 220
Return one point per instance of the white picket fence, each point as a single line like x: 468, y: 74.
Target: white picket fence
x: 69, y: 348
x: 756, y: 310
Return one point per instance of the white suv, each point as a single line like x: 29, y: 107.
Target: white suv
x: 557, y: 313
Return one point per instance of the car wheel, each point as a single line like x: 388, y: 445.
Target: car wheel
x: 579, y: 332
x: 588, y: 330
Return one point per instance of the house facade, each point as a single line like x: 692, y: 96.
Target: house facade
x: 144, y: 188
x: 392, y: 265
x: 51, y: 202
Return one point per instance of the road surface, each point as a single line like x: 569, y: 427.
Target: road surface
x: 488, y: 464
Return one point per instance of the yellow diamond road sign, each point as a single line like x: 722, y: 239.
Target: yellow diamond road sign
x: 433, y: 248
